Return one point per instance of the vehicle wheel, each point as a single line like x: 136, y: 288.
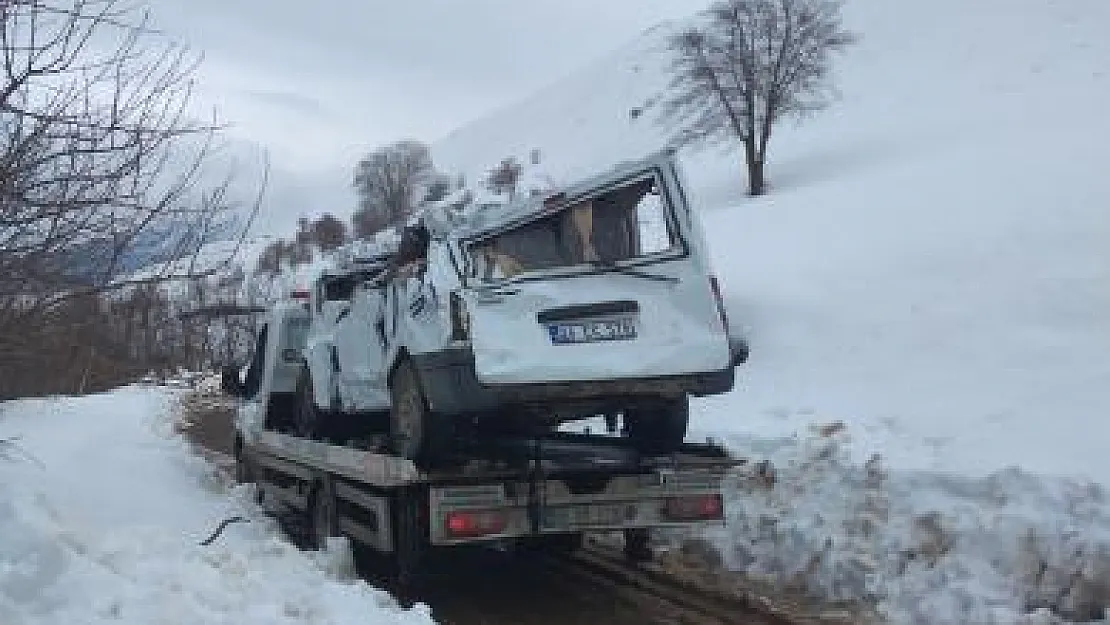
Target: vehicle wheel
x: 408, y: 415
x: 409, y: 539
x: 324, y: 516
x: 244, y: 471
x: 307, y: 418
x: 659, y: 428
x: 637, y: 545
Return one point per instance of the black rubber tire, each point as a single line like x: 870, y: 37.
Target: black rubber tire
x: 244, y: 471
x: 409, y: 416
x: 659, y: 428
x: 323, y: 517
x: 409, y: 541
x: 637, y: 545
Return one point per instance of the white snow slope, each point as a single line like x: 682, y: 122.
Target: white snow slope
x: 931, y: 268
x: 103, y: 526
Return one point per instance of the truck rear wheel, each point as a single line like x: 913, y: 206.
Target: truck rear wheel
x: 637, y: 545
x: 659, y: 428
x: 323, y: 518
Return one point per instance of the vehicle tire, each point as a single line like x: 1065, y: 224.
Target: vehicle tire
x: 637, y: 545
x: 245, y: 471
x: 323, y: 515
x: 659, y: 428
x: 408, y: 413
x: 307, y: 419
x: 410, y: 544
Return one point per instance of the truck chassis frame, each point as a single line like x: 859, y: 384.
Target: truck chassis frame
x: 549, y: 490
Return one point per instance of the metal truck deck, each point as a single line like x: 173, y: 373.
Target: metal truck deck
x: 557, y: 487
x: 554, y: 455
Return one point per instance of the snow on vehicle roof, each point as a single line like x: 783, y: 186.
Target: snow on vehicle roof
x: 468, y: 213
x: 351, y: 257
x: 378, y: 249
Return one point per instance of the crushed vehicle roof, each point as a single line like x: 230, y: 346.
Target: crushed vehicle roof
x: 485, y: 214
x: 468, y: 213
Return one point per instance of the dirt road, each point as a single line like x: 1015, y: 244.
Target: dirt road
x: 208, y: 420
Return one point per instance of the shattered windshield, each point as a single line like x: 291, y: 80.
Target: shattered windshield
x: 628, y: 222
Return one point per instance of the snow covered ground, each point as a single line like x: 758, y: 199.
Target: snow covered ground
x: 932, y: 270
x: 103, y: 526
x: 925, y: 291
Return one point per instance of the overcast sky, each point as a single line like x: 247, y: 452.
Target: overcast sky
x: 319, y: 82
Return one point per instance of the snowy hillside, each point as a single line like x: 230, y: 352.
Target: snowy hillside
x: 103, y: 507
x: 932, y: 269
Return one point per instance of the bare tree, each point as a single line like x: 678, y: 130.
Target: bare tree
x: 304, y: 231
x: 270, y: 259
x: 389, y: 182
x: 753, y: 64
x: 298, y: 253
x: 101, y: 163
x: 282, y: 254
x: 364, y: 223
x: 329, y: 232
x: 504, y: 178
x: 438, y: 189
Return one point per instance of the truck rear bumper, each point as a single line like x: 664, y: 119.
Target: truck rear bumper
x: 452, y: 386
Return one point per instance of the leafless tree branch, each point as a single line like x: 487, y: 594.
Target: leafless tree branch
x: 752, y: 64
x: 101, y: 160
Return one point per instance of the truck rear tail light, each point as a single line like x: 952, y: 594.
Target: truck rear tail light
x: 473, y: 523
x: 716, y: 287
x: 694, y: 508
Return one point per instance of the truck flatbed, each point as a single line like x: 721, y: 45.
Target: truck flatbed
x: 556, y: 487
x: 507, y: 458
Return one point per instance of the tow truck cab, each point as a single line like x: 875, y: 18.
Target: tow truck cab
x: 269, y: 385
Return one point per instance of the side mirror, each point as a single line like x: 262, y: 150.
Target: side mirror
x: 229, y: 381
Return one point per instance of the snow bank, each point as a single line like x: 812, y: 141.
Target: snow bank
x: 104, y: 527
x: 932, y: 268
x: 923, y: 274
x: 924, y: 547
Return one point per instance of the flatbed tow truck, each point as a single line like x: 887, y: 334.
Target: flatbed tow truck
x: 412, y: 400
x: 547, y: 492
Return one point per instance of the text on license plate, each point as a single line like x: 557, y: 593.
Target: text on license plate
x: 592, y: 331
x: 588, y: 515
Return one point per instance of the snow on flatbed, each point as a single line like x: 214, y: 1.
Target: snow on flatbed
x: 103, y: 527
